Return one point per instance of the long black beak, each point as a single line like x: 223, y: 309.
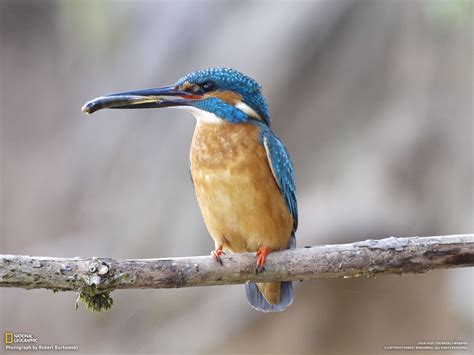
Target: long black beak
x: 148, y: 98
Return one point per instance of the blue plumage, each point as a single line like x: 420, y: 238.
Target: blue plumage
x: 221, y: 109
x: 257, y: 301
x: 282, y: 169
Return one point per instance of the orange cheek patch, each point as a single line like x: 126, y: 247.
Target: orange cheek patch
x: 226, y: 96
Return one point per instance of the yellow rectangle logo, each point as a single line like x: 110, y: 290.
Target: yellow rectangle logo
x: 8, y: 338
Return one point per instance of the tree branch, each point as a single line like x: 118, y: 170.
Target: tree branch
x: 95, y: 278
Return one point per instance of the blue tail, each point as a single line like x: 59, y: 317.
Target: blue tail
x: 257, y: 301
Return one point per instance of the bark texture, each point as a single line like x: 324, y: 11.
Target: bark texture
x: 94, y: 278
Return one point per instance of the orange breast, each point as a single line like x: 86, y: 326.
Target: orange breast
x: 239, y: 198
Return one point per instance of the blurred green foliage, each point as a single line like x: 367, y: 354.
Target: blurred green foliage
x: 451, y: 12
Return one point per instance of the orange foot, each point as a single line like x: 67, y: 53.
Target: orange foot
x: 216, y: 254
x: 261, y: 258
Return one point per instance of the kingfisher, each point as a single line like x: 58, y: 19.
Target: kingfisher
x: 242, y: 173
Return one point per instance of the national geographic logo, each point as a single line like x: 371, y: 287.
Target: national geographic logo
x: 28, y: 342
x: 11, y: 338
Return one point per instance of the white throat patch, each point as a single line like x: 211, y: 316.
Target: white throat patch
x: 202, y: 116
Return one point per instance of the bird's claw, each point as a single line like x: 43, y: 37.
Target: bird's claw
x: 216, y: 254
x: 261, y: 258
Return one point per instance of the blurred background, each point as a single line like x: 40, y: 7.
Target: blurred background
x: 373, y: 99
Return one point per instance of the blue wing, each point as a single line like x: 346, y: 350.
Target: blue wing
x: 283, y: 172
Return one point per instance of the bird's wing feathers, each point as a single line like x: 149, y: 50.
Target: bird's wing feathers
x: 282, y: 170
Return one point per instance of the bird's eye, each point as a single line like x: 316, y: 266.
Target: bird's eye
x: 207, y: 86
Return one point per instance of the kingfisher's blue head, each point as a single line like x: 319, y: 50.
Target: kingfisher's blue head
x: 212, y: 95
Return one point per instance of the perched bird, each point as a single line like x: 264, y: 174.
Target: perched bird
x: 241, y: 171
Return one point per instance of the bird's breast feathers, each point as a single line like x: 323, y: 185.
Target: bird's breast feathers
x: 239, y: 198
